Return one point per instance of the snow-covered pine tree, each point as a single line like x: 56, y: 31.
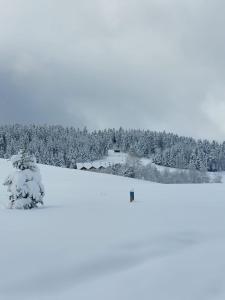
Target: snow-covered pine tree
x: 24, y: 184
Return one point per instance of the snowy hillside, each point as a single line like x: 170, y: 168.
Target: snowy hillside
x: 89, y: 242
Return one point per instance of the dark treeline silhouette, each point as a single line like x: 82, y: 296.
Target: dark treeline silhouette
x: 65, y: 146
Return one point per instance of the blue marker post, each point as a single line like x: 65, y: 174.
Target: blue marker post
x: 131, y: 195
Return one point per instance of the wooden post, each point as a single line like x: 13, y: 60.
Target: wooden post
x: 131, y: 196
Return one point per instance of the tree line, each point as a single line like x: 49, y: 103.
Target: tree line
x: 65, y: 146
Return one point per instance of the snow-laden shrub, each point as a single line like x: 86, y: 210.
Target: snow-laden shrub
x: 149, y: 172
x: 24, y: 184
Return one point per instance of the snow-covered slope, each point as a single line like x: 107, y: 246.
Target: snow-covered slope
x: 88, y: 242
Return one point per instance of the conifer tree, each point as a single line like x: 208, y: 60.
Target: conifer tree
x: 24, y: 184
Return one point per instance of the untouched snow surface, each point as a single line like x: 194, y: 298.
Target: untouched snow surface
x: 88, y: 242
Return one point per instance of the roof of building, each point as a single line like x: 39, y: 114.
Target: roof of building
x: 112, y: 159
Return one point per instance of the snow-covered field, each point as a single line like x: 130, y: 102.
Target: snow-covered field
x: 88, y: 242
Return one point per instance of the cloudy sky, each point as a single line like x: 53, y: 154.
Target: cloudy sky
x: 156, y: 64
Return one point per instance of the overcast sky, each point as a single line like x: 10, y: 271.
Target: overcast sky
x: 156, y: 64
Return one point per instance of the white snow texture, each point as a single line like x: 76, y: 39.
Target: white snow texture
x: 24, y: 184
x: 90, y: 243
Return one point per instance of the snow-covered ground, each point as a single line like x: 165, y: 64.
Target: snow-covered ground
x: 88, y: 242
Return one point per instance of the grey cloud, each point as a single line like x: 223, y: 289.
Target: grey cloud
x: 148, y: 64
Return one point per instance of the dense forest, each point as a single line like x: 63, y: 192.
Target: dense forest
x: 65, y: 146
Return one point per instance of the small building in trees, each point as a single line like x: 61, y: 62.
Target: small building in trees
x: 92, y: 168
x: 83, y: 169
x: 97, y: 165
x: 116, y: 148
x: 101, y: 168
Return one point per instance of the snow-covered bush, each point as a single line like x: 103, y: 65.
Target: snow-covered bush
x: 151, y: 173
x: 24, y: 184
x: 218, y: 178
